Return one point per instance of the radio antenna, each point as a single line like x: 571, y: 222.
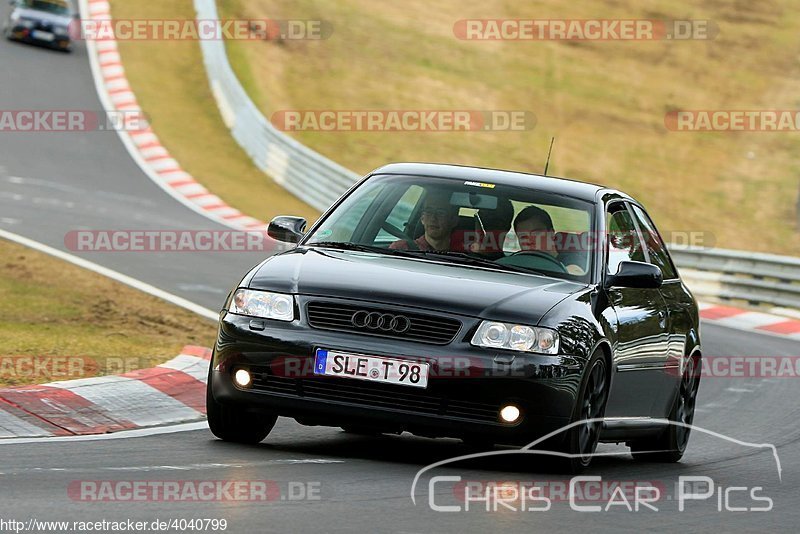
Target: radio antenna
x: 547, y: 163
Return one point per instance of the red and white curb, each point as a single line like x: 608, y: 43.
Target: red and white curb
x: 144, y: 146
x: 753, y: 321
x: 171, y: 393
x: 174, y: 392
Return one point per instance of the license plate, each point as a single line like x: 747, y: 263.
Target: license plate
x: 42, y: 36
x: 371, y: 368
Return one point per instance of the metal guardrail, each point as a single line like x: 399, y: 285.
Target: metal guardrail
x: 737, y: 275
x: 308, y: 175
x: 319, y: 181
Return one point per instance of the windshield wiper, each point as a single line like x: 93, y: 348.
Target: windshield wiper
x: 347, y: 245
x: 461, y: 258
x: 471, y: 259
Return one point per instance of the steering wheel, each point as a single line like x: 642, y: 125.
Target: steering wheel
x: 539, y: 254
x: 400, y: 234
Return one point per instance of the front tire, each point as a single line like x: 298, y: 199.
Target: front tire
x: 230, y: 423
x: 670, y: 446
x: 581, y: 440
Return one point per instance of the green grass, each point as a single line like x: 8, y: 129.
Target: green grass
x: 603, y: 101
x: 51, y: 309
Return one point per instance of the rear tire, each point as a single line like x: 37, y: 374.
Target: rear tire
x: 230, y: 423
x: 670, y: 445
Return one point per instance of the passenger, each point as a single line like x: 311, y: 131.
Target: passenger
x: 535, y: 232
x: 439, y: 218
x: 492, y: 226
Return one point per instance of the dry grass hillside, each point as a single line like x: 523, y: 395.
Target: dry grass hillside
x: 604, y: 102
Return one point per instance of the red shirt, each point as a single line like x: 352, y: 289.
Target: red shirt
x: 402, y: 244
x: 422, y: 243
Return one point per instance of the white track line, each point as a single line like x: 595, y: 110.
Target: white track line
x: 114, y: 275
x: 125, y: 434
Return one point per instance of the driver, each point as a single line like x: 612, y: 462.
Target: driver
x: 439, y: 218
x: 535, y: 232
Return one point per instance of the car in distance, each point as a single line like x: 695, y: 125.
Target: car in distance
x: 492, y: 306
x: 44, y: 22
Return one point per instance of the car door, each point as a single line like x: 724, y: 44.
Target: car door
x: 678, y: 300
x: 641, y: 341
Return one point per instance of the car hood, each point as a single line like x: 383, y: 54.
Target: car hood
x: 43, y: 16
x: 428, y: 285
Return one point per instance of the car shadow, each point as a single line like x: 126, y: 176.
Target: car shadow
x: 418, y: 452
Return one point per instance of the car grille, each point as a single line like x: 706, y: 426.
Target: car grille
x: 384, y: 396
x: 423, y: 328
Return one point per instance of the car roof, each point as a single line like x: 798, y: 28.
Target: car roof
x: 573, y: 188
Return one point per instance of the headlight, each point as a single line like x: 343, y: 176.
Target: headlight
x: 263, y: 304
x: 519, y: 337
x: 25, y: 23
x: 61, y: 30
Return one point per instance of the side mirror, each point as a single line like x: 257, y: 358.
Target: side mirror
x: 636, y: 274
x: 287, y: 229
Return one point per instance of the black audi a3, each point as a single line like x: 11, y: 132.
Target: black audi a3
x: 487, y: 305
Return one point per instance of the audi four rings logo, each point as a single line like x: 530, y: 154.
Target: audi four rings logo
x: 383, y: 322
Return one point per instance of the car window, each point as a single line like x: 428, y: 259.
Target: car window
x: 400, y: 215
x: 429, y: 214
x: 570, y: 221
x: 656, y: 249
x: 342, y: 227
x: 623, y: 243
x: 59, y: 7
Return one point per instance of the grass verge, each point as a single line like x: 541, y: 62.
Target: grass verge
x: 58, y: 321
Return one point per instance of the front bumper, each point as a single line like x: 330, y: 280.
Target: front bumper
x: 27, y: 35
x: 465, y: 391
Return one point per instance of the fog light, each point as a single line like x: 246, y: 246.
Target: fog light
x: 242, y: 378
x: 509, y: 413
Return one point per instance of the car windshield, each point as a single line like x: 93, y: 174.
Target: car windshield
x: 484, y: 225
x: 58, y: 7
